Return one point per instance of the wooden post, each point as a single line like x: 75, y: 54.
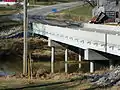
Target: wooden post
x: 30, y: 66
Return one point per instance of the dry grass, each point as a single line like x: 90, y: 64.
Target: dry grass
x: 80, y: 13
x: 53, y: 82
x: 6, y: 12
x: 34, y: 84
x: 18, y: 82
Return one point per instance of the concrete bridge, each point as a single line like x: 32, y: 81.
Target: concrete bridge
x: 90, y: 37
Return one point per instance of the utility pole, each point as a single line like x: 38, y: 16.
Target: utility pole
x: 25, y: 51
x: 119, y: 10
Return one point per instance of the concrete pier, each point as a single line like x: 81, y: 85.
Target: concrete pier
x: 80, y: 60
x: 111, y: 66
x: 91, y: 66
x: 66, y: 59
x: 52, y: 59
x: 49, y: 42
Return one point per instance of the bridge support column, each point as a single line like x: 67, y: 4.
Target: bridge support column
x: 52, y: 59
x: 111, y: 64
x: 66, y: 59
x: 92, y: 56
x: 80, y: 58
x: 91, y: 66
x: 49, y: 42
x: 52, y: 54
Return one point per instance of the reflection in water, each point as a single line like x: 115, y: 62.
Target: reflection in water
x: 72, y: 66
x: 59, y: 66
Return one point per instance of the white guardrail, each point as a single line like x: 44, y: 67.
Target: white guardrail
x: 82, y: 39
x: 102, y: 27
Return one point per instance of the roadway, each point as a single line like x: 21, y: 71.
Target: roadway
x: 36, y: 14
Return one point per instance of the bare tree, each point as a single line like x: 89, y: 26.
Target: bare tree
x: 117, y: 2
x: 92, y: 3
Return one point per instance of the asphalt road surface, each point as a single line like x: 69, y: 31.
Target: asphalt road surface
x: 36, y: 14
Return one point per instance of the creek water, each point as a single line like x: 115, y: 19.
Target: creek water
x: 72, y: 65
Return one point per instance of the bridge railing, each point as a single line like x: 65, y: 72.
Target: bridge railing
x: 102, y: 27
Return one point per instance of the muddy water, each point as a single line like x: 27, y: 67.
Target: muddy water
x: 59, y: 64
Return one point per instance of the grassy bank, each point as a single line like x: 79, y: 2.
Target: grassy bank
x: 6, y: 10
x: 50, y: 2
x: 79, y: 13
x: 83, y: 11
x: 43, y: 3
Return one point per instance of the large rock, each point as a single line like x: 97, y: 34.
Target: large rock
x: 107, y: 79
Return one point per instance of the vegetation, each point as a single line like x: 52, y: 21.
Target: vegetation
x: 92, y: 3
x: 54, y: 0
x: 6, y: 10
x: 84, y: 11
x: 47, y: 2
x: 79, y: 13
